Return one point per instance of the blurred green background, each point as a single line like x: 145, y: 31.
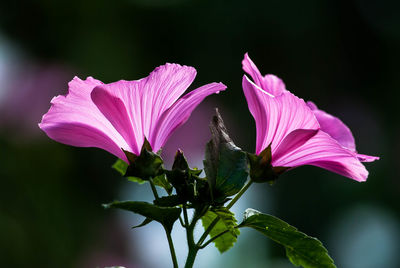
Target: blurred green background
x: 343, y: 55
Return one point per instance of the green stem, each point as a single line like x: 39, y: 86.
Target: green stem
x: 169, y: 238
x: 207, y: 231
x: 181, y: 221
x: 212, y: 239
x: 215, y: 221
x: 185, y: 216
x: 171, y: 248
x: 191, y: 256
x: 239, y: 194
x: 153, y: 188
x: 193, y: 248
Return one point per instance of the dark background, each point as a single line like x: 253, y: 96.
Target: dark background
x: 343, y: 55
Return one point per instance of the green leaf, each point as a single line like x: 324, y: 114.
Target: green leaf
x: 227, y: 222
x: 225, y: 164
x: 232, y: 170
x: 301, y: 249
x: 168, y: 201
x: 145, y: 222
x: 136, y: 179
x: 164, y: 215
x: 120, y: 166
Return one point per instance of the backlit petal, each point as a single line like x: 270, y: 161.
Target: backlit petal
x: 75, y: 120
x: 334, y: 127
x: 270, y: 83
x: 180, y: 112
x: 160, y: 90
x: 146, y: 100
x: 325, y: 152
x: 367, y: 158
x: 276, y: 116
x: 113, y: 108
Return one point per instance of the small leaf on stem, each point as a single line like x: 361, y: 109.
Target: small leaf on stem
x: 168, y: 201
x: 164, y: 215
x: 145, y: 222
x: 227, y: 222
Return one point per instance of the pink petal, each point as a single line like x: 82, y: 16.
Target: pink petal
x: 160, y: 90
x: 338, y: 131
x: 250, y: 68
x: 145, y: 101
x: 294, y: 140
x: 334, y: 127
x: 114, y: 110
x: 367, y: 158
x: 180, y: 112
x: 75, y: 120
x: 270, y: 83
x: 323, y: 151
x: 276, y: 116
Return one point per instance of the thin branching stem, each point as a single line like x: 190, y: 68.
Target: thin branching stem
x: 153, y: 188
x: 171, y: 248
x: 181, y: 222
x: 185, y: 216
x: 215, y: 221
x: 212, y: 239
x: 167, y: 232
x: 193, y: 248
x: 239, y: 194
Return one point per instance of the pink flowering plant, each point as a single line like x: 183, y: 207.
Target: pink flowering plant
x: 134, y: 119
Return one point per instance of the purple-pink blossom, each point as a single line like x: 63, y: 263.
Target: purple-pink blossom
x: 121, y: 115
x: 298, y: 132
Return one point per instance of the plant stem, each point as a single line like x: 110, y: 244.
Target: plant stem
x: 181, y: 221
x: 171, y: 248
x: 153, y: 188
x: 239, y: 194
x: 212, y: 239
x: 185, y: 216
x: 207, y: 231
x: 193, y: 248
x: 215, y: 221
x: 191, y: 256
x: 167, y: 232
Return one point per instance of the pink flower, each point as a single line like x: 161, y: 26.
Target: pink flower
x: 298, y: 132
x: 122, y: 114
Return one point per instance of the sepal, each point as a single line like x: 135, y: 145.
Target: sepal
x: 261, y: 169
x: 145, y: 166
x: 183, y: 178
